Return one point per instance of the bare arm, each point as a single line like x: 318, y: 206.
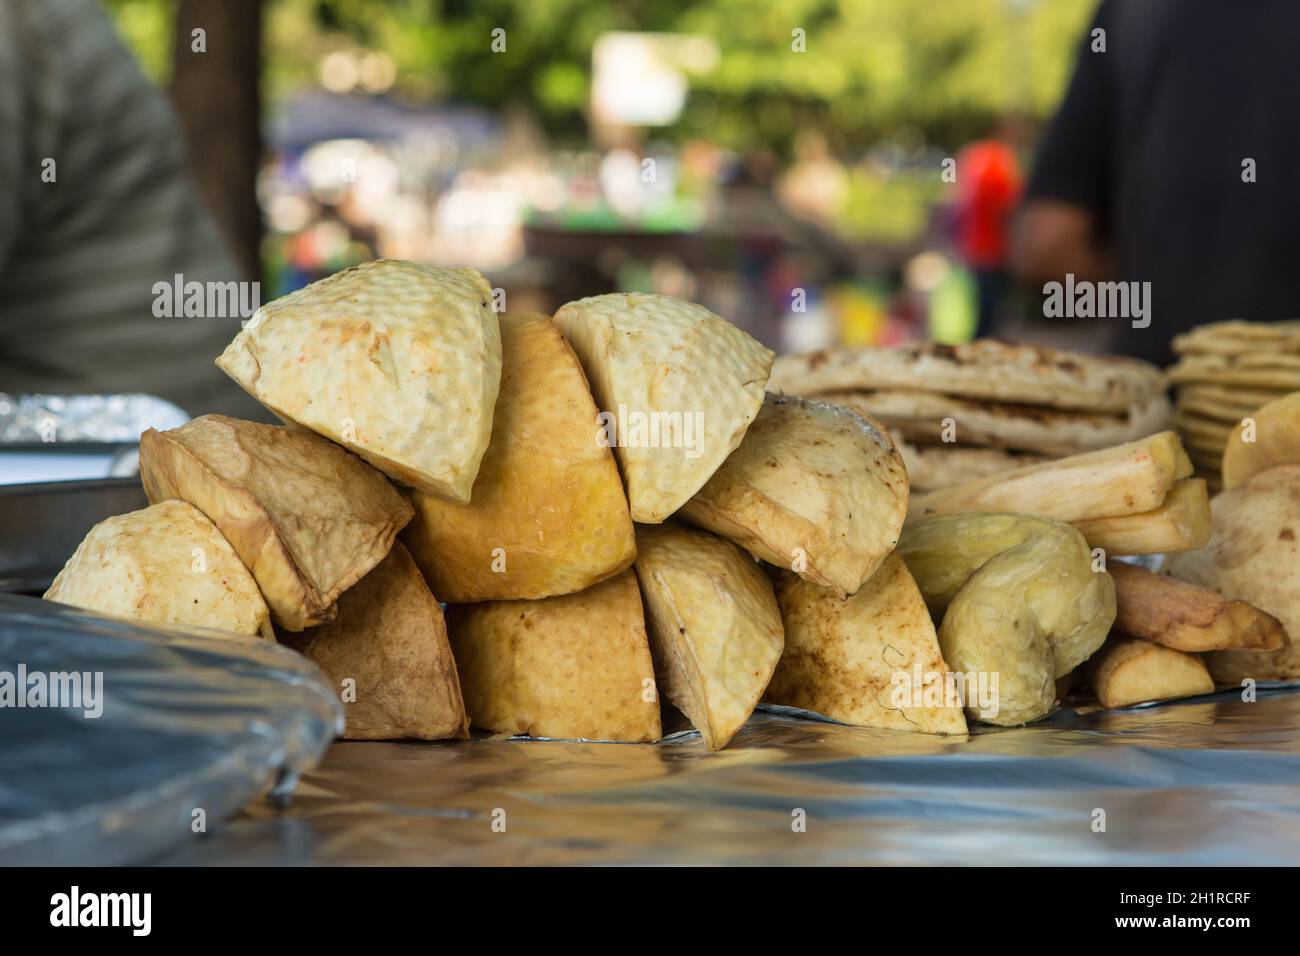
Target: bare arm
x: 1053, y: 237
x: 1061, y: 227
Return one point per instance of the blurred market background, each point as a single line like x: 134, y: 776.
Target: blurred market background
x: 783, y: 163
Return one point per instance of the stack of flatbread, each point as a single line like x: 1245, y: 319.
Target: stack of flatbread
x: 1225, y: 372
x: 961, y: 412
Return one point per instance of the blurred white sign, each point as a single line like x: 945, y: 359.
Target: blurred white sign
x: 640, y: 78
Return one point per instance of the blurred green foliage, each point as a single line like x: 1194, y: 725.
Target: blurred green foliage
x: 893, y: 208
x: 145, y: 25
x: 872, y: 68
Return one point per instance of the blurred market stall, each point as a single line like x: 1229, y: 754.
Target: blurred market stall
x: 784, y: 164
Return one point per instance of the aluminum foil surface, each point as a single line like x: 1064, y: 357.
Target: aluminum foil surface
x: 191, y: 721
x: 1212, y: 780
x: 180, y: 729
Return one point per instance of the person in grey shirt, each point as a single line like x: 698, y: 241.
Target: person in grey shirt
x: 95, y: 212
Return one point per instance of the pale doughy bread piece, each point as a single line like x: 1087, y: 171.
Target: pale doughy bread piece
x: 307, y: 517
x: 548, y: 514
x: 168, y: 564
x: 653, y: 358
x: 849, y: 659
x: 1254, y: 556
x: 1018, y: 596
x: 1269, y: 436
x: 396, y: 361
x: 813, y: 487
x: 715, y: 628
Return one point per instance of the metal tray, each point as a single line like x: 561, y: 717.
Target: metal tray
x: 42, y: 524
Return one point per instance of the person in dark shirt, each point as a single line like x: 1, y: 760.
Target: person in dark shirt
x: 1170, y: 162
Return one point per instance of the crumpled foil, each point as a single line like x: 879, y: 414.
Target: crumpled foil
x: 1212, y: 780
x: 103, y: 419
x: 191, y: 720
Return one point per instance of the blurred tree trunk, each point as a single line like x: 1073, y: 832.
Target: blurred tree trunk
x: 217, y: 101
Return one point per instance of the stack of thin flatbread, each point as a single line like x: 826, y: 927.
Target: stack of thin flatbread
x: 1225, y: 372
x: 960, y: 412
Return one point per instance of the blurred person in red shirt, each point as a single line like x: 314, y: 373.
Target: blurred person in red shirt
x: 989, y: 183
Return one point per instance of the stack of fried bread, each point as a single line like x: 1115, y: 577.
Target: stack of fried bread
x: 592, y: 496
x: 967, y: 411
x: 549, y: 526
x: 1226, y: 371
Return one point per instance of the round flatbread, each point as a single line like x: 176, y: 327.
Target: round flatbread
x: 1207, y: 449
x: 1202, y: 408
x: 1277, y: 376
x: 1206, y: 461
x: 930, y: 467
x: 1236, y: 336
x: 985, y: 369
x: 1247, y: 398
x: 925, y: 417
x: 1205, y: 431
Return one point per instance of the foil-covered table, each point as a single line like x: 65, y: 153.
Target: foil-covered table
x: 1214, y: 780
